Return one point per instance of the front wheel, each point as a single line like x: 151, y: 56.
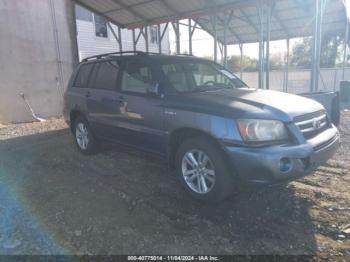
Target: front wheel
x: 202, y: 170
x: 83, y: 136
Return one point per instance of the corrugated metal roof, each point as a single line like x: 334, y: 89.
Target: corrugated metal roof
x: 290, y: 18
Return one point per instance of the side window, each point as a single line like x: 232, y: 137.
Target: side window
x: 107, y: 75
x: 204, y: 73
x: 137, y: 77
x: 176, y: 76
x: 81, y: 81
x: 100, y: 26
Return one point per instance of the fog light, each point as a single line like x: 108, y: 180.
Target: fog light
x: 285, y: 164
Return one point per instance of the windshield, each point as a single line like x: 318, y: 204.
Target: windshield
x: 199, y: 76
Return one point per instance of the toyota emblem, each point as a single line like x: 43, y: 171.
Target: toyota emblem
x: 317, y: 124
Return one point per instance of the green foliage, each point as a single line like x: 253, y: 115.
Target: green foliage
x: 251, y: 64
x: 301, y: 54
x: 248, y: 64
x: 277, y: 61
x: 331, y: 51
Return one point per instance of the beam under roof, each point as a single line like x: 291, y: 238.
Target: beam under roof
x: 291, y: 18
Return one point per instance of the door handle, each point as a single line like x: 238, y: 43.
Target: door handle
x: 88, y: 94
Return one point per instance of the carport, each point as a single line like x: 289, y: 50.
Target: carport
x: 233, y: 22
x: 57, y: 201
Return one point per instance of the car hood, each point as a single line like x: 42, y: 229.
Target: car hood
x: 250, y: 103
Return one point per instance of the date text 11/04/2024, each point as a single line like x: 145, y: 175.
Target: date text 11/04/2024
x: 173, y: 258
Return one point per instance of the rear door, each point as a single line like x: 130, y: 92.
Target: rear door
x: 141, y: 114
x: 76, y: 96
x: 103, y: 98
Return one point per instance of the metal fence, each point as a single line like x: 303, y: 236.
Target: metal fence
x: 299, y: 80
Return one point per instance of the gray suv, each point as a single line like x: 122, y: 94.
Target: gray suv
x: 203, y: 120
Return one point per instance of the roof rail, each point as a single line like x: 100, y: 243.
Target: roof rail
x: 127, y: 52
x: 114, y: 53
x: 184, y: 55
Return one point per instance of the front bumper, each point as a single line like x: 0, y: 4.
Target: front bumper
x: 278, y: 164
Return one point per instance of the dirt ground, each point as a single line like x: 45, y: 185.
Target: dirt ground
x: 54, y: 200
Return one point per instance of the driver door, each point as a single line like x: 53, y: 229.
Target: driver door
x: 141, y: 114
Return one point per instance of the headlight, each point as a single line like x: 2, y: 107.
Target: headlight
x: 255, y: 130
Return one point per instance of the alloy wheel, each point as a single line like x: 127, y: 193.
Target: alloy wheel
x: 198, y: 171
x: 82, y: 136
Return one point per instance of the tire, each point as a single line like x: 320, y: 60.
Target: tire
x: 86, y: 144
x: 219, y: 184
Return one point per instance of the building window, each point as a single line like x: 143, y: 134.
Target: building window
x: 100, y: 26
x: 154, y: 34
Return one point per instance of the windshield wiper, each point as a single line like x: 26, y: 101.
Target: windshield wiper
x: 208, y: 88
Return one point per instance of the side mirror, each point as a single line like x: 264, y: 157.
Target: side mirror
x: 154, y: 90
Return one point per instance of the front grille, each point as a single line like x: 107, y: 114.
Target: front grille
x: 312, y: 124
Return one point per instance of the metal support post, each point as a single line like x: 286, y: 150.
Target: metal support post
x: 145, y: 34
x: 225, y: 42
x: 176, y: 27
x: 261, y: 45
x: 159, y: 35
x: 178, y: 47
x: 241, y: 61
x: 120, y: 39
x: 214, y: 25
x: 346, y: 38
x: 142, y: 32
x: 190, y: 36
x: 268, y: 36
x: 287, y: 66
x: 191, y: 30
x: 221, y: 51
x: 134, y: 39
x: 316, y: 50
x: 226, y: 24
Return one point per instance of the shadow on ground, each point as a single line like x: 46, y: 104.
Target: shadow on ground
x: 56, y: 200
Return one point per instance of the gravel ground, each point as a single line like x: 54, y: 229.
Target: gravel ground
x: 55, y: 200
x: 26, y: 129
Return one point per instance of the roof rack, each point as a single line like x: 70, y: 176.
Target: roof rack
x: 114, y: 53
x: 184, y: 55
x: 100, y: 56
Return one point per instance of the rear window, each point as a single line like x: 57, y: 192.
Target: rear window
x: 81, y: 81
x: 107, y: 75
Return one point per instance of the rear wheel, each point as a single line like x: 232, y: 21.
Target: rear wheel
x: 83, y: 136
x: 202, y: 170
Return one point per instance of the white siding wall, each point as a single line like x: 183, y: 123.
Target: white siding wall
x: 90, y: 45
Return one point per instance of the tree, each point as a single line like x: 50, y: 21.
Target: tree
x: 248, y: 64
x: 277, y: 61
x: 301, y: 54
x: 331, y: 51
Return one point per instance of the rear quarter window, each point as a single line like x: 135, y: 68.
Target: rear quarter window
x: 82, y: 78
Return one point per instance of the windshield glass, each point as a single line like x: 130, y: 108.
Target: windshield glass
x: 199, y: 76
